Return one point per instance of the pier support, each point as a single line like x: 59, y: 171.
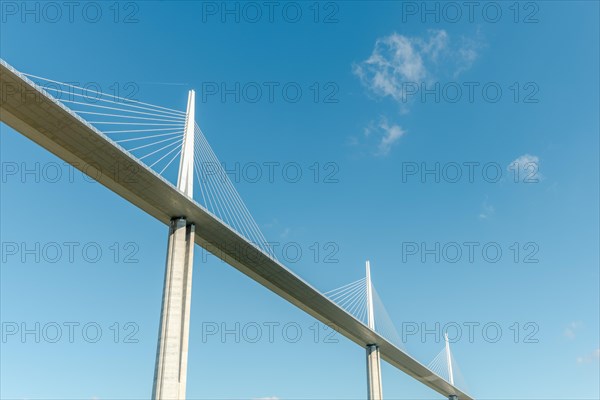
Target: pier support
x: 172, y: 353
x: 374, y: 373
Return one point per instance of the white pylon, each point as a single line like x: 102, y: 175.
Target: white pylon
x: 449, y: 359
x: 370, y: 313
x: 374, y: 389
x: 185, y: 180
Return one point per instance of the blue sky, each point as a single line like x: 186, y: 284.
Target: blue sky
x: 370, y: 132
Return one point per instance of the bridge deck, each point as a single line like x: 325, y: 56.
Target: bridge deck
x: 35, y: 114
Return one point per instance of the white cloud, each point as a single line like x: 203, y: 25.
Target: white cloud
x: 435, y: 45
x: 285, y: 233
x: 398, y: 67
x: 276, y: 226
x: 274, y: 222
x: 396, y: 59
x: 572, y: 328
x: 381, y: 135
x: 594, y: 356
x: 399, y: 62
x: 267, y: 398
x: 525, y: 168
x: 487, y: 211
x: 391, y: 135
x: 467, y: 53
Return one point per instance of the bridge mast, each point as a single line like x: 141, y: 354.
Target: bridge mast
x: 449, y: 360
x: 373, y: 355
x: 449, y: 364
x: 172, y: 353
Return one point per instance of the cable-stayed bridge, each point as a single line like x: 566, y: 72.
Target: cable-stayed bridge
x: 137, y: 146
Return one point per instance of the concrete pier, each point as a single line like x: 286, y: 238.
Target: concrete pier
x: 172, y: 353
x: 374, y: 390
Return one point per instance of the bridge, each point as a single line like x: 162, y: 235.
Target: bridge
x: 135, y: 146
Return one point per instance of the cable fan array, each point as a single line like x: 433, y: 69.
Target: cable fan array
x: 353, y: 298
x: 383, y: 322
x: 220, y: 197
x: 445, y: 362
x: 152, y: 134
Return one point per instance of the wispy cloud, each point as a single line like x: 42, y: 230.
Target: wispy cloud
x: 381, y: 135
x: 525, y: 168
x: 276, y: 226
x: 399, y: 60
x: 391, y: 135
x: 487, y: 211
x: 572, y: 329
x: 267, y: 398
x: 466, y: 53
x: 594, y: 356
x: 399, y: 64
x: 285, y: 233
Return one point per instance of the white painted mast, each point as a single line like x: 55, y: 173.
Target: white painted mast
x: 374, y: 390
x: 371, y: 314
x: 185, y: 180
x: 449, y: 359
